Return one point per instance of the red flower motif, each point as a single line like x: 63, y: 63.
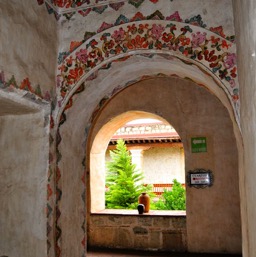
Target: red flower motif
x: 132, y: 29
x: 118, y: 49
x: 235, y: 97
x: 186, y: 52
x: 138, y: 42
x: 69, y: 61
x: 185, y: 41
x: 233, y: 72
x: 143, y: 26
x: 158, y: 45
x: 93, y: 43
x: 40, y: 2
x: 93, y: 54
x: 167, y: 37
x: 209, y: 56
x: 218, y: 30
x: 59, y: 3
x: 62, y: 68
x: 108, y: 45
x: 214, y: 40
x: 75, y: 74
x: 224, y: 44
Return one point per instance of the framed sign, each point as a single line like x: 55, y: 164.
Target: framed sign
x: 198, y: 145
x: 200, y: 178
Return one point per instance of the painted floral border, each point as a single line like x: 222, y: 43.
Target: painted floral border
x: 212, y: 51
x: 157, y: 15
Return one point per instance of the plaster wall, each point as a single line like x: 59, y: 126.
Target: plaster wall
x: 161, y: 165
x: 23, y: 180
x: 28, y: 44
x: 245, y: 22
x: 213, y: 214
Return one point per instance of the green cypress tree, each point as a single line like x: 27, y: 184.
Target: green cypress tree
x: 123, y: 180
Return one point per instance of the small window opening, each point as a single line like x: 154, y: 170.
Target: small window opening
x: 155, y: 151
x: 104, y: 141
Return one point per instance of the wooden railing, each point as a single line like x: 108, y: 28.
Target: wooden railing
x: 158, y: 189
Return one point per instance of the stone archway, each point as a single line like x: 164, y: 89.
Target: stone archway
x: 74, y: 154
x: 97, y: 85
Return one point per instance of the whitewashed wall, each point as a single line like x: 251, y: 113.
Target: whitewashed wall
x: 23, y: 178
x: 28, y: 46
x: 162, y: 165
x: 245, y: 22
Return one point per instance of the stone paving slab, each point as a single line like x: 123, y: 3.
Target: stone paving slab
x: 129, y: 253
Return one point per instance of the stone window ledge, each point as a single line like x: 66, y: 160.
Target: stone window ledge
x: 135, y: 212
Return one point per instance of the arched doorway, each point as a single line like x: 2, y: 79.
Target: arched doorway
x: 194, y: 112
x: 76, y: 137
x: 97, y: 154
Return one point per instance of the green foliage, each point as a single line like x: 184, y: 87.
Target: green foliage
x: 174, y: 199
x: 123, y: 180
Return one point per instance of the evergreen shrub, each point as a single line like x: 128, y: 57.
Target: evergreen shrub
x: 123, y: 180
x: 174, y: 199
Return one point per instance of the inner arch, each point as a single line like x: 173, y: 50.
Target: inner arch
x: 97, y: 154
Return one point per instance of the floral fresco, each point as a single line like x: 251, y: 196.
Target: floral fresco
x: 206, y: 48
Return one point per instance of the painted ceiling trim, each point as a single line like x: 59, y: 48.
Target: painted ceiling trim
x: 214, y: 53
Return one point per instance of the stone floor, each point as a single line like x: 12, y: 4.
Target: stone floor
x: 125, y: 253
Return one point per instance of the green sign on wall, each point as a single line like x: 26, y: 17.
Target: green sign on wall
x: 198, y: 145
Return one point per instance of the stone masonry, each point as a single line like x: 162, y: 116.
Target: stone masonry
x: 142, y: 232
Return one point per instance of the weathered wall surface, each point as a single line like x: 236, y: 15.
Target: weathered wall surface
x: 213, y: 214
x: 23, y: 178
x: 141, y: 232
x: 28, y: 47
x: 244, y: 13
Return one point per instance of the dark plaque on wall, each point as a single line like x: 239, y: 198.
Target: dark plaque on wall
x: 200, y: 178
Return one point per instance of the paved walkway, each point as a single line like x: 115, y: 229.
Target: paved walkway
x: 123, y: 253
